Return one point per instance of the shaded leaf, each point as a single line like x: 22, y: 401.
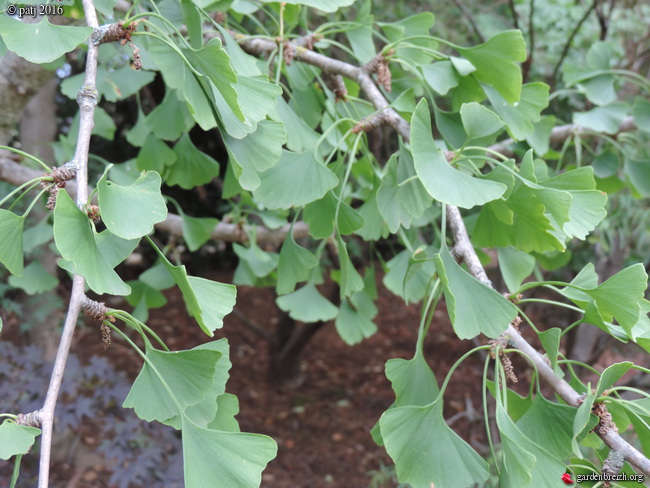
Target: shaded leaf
x: 192, y: 167
x: 295, y: 265
x: 131, y: 211
x: 307, y: 305
x: 443, y: 182
x: 35, y: 279
x: 16, y: 439
x: 468, y: 300
x: 11, y: 244
x: 41, y: 42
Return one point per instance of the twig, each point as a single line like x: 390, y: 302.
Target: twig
x: 470, y: 18
x: 87, y: 100
x: 567, y: 46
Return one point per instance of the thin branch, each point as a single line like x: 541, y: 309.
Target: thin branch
x: 470, y: 18
x: 87, y: 99
x: 567, y: 46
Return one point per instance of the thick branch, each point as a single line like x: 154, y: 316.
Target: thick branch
x: 87, y: 100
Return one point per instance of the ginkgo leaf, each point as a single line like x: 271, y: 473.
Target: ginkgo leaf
x: 142, y: 202
x: 301, y: 177
x: 256, y: 152
x: 192, y: 166
x: 28, y: 40
x: 295, y: 265
x: 496, y: 62
x: 206, y: 300
x: 521, y: 116
x: 354, y: 321
x: 447, y: 462
x: 16, y: 439
x: 443, y: 182
x: 11, y: 244
x: 79, y: 244
x: 307, y: 305
x: 468, y: 300
x: 187, y: 377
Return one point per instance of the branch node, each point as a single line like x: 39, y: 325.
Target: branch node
x: 59, y: 176
x: 379, y: 65
x: 31, y: 419
x: 334, y: 82
x: 606, y: 423
x: 95, y: 310
x: 369, y: 123
x: 87, y: 96
x: 113, y: 32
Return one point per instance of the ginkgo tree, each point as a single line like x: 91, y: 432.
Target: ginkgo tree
x: 293, y: 91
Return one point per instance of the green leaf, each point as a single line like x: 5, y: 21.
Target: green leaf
x: 398, y: 203
x: 207, y: 301
x: 606, y: 118
x: 496, y: 62
x: 583, y: 422
x: 93, y: 256
x: 426, y: 451
x: 307, y: 305
x: 638, y: 173
x: 302, y: 178
x: 295, y: 265
x: 213, y: 62
x: 37, y: 235
x: 468, y: 299
x: 112, y: 84
x: 441, y: 76
x: 525, y: 463
x: 611, y: 375
x: 34, y: 280
x: 641, y: 113
x: 620, y: 296
x: 520, y: 116
x: 354, y: 321
x: 16, y: 439
x: 256, y: 152
x: 155, y: 155
x: 11, y: 244
x: 542, y: 413
x: 443, y: 182
x: 550, y: 340
x: 41, y: 42
x: 170, y: 119
x: 187, y: 377
x: 479, y: 121
x: 259, y: 261
x: 351, y: 280
x: 131, y: 211
x: 515, y: 266
x: 227, y: 409
x: 232, y: 458
x: 540, y: 138
x: 406, y: 279
x: 412, y: 381
x: 197, y: 231
x: 192, y: 167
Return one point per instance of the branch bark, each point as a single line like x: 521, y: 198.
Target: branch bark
x: 87, y: 100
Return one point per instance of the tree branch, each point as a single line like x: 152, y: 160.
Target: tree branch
x: 87, y: 99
